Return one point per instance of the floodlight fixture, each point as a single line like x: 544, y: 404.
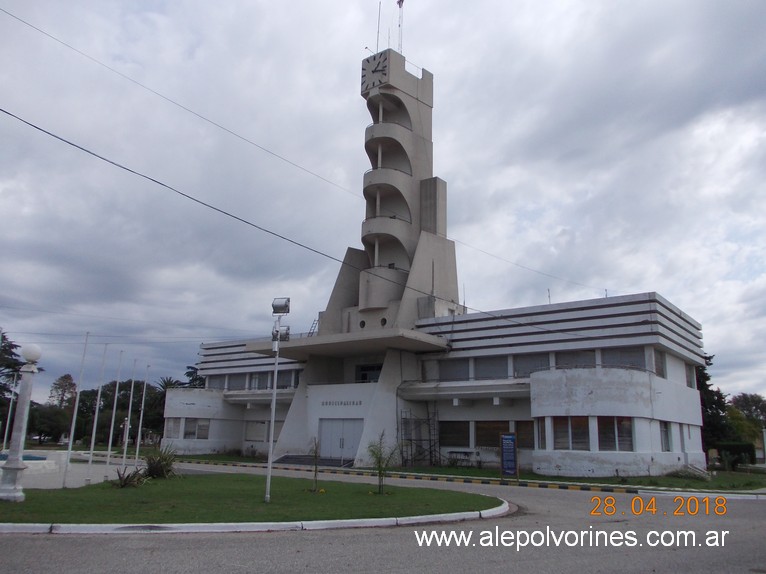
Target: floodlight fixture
x: 280, y: 306
x: 280, y: 334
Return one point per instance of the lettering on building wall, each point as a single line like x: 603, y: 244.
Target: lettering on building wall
x: 341, y: 403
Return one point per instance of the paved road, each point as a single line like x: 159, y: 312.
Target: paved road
x: 396, y: 549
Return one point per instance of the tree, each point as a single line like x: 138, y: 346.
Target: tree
x: 48, y: 421
x: 715, y: 424
x: 752, y: 406
x: 63, y: 392
x: 747, y: 430
x: 195, y: 381
x: 153, y: 417
x: 10, y: 363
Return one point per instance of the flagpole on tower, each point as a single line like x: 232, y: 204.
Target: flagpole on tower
x: 400, y: 3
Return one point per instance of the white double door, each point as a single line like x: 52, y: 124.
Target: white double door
x: 339, y: 438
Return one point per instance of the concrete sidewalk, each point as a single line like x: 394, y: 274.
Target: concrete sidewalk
x: 49, y: 474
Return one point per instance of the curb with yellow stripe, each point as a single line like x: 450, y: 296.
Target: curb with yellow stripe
x: 432, y: 477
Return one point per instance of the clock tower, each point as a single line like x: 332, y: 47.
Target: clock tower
x: 367, y: 342
x: 407, y: 269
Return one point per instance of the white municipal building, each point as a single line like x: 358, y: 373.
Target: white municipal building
x: 591, y: 388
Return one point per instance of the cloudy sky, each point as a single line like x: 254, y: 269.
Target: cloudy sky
x: 590, y: 147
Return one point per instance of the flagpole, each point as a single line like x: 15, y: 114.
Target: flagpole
x: 95, y: 414
x: 114, y: 414
x: 76, y: 406
x: 127, y: 420
x: 141, y: 416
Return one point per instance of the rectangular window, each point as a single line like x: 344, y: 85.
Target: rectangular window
x: 238, y: 382
x: 490, y: 367
x: 285, y: 379
x: 607, y: 434
x: 172, y: 427
x: 580, y: 433
x: 368, y: 373
x: 196, y: 428
x: 541, y: 443
x: 561, y: 433
x: 576, y: 359
x: 624, y: 434
x: 525, y: 365
x: 488, y: 432
x: 624, y: 358
x: 691, y: 376
x: 454, y: 433
x: 203, y: 429
x: 190, y: 428
x: 453, y: 370
x: 615, y: 433
x: 260, y: 381
x: 525, y: 434
x: 660, y: 368
x: 571, y: 433
x: 665, y: 436
x: 216, y: 382
x: 256, y: 430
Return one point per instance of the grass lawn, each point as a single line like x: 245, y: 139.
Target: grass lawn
x: 232, y: 498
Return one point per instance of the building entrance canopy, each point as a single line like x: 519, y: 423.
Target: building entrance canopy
x: 357, y: 343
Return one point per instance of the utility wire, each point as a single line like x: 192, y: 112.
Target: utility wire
x: 268, y: 151
x: 256, y: 226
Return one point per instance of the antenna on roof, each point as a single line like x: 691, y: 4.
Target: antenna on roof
x: 400, y: 3
x: 377, y: 38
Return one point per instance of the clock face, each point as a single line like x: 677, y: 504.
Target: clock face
x: 374, y: 71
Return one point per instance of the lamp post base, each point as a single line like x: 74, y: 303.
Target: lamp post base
x: 10, y: 482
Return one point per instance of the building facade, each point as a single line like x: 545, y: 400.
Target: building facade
x: 598, y: 387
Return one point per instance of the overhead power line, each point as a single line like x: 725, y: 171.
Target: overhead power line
x: 250, y: 223
x: 267, y: 150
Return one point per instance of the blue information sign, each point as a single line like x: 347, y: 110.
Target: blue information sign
x: 509, y: 464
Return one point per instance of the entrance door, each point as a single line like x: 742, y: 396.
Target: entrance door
x: 339, y: 438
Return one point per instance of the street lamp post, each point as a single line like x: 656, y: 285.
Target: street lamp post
x: 10, y: 482
x: 279, y: 307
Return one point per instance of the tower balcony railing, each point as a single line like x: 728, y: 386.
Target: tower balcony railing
x: 389, y: 131
x: 385, y: 177
x: 390, y: 226
x: 394, y: 121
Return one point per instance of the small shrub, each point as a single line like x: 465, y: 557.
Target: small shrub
x: 160, y: 464
x: 314, y: 452
x: 126, y: 478
x: 382, y: 457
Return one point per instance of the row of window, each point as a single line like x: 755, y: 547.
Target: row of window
x: 193, y: 428
x: 260, y: 381
x: 615, y: 434
x: 523, y: 365
x: 573, y: 433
